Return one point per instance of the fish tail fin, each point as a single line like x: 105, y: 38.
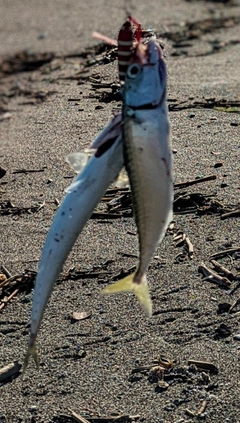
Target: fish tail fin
x: 32, y: 351
x: 140, y: 290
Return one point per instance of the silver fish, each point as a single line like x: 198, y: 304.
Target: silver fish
x: 82, y: 197
x: 148, y: 159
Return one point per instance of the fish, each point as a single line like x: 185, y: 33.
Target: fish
x: 111, y: 151
x: 81, y: 198
x: 148, y: 160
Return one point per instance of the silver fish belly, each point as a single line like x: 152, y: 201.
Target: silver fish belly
x: 82, y: 197
x: 148, y: 151
x: 147, y: 157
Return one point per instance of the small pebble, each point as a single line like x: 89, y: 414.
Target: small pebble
x: 162, y: 385
x: 202, y: 416
x: 43, y: 35
x: 237, y: 336
x: 32, y: 409
x: 169, y: 408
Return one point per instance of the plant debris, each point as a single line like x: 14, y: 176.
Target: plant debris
x: 10, y: 370
x: 212, y: 276
x: 11, y: 286
x: 8, y: 208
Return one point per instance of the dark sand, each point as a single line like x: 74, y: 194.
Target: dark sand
x: 87, y: 366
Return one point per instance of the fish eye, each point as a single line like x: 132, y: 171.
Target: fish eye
x: 133, y: 70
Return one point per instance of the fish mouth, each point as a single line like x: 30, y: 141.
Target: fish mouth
x: 140, y: 54
x: 146, y: 54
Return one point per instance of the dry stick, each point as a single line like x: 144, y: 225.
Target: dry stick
x: 202, y: 408
x: 40, y: 206
x: 11, y: 279
x: 204, y: 365
x: 4, y: 283
x: 6, y: 271
x: 77, y: 417
x: 190, y: 412
x: 180, y: 239
x: 9, y: 370
x: 234, y: 305
x: 28, y: 170
x: 224, y: 253
x: 195, y: 181
x: 190, y: 247
x: 235, y: 288
x: 213, y: 277
x: 222, y: 269
x: 178, y: 235
x: 234, y: 213
x: 9, y: 298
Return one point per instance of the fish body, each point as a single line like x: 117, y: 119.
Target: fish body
x: 82, y: 197
x: 147, y: 157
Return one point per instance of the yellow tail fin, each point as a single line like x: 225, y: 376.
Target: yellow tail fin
x: 140, y: 290
x: 32, y: 351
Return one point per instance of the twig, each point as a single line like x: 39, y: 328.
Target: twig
x: 4, y: 302
x: 202, y: 408
x: 204, y: 365
x: 77, y: 417
x: 28, y: 170
x: 4, y: 282
x: 11, y: 279
x: 190, y: 412
x: 9, y: 370
x: 234, y: 305
x: 190, y: 247
x: 214, y: 277
x: 195, y: 181
x: 180, y: 238
x: 224, y: 253
x: 233, y: 213
x: 235, y: 288
x: 222, y: 269
x: 6, y: 271
x: 40, y: 206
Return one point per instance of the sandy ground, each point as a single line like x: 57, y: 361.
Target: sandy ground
x: 103, y: 367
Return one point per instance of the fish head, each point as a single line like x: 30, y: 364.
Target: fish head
x: 145, y: 79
